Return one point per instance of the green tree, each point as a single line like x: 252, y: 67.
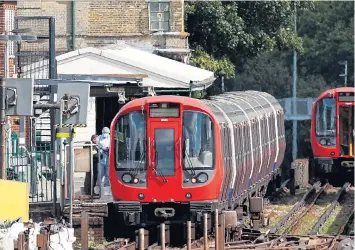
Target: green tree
x: 205, y: 61
x: 240, y: 30
x: 328, y: 35
x: 270, y: 72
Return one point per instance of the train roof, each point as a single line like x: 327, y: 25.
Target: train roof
x: 341, y: 89
x: 335, y: 91
x: 206, y: 105
x: 187, y: 101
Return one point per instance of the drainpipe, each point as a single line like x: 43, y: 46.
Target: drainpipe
x: 73, y: 24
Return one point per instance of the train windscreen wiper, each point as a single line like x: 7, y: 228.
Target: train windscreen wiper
x: 188, y: 159
x: 138, y: 164
x: 156, y: 169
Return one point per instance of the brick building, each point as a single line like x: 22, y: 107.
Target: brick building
x: 84, y: 23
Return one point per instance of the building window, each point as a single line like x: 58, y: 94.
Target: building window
x: 159, y: 16
x: 10, y: 25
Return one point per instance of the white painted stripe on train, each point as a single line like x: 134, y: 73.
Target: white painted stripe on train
x: 250, y: 134
x: 230, y: 125
x: 276, y: 127
x: 258, y: 117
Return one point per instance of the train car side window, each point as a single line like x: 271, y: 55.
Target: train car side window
x: 325, y: 117
x: 130, y: 141
x: 198, y: 140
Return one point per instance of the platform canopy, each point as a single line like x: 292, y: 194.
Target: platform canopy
x: 124, y: 59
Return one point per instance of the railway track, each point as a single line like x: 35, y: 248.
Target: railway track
x: 247, y: 241
x: 328, y: 212
x: 292, y: 218
x: 318, y: 212
x: 237, y: 238
x: 286, y: 234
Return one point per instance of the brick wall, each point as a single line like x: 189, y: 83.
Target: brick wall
x: 98, y: 23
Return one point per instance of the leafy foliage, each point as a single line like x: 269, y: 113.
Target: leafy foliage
x: 328, y: 35
x: 205, y: 61
x: 271, y: 73
x: 258, y: 39
x: 239, y: 29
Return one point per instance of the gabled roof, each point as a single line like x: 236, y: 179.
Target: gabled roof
x: 162, y: 72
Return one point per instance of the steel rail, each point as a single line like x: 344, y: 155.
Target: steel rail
x: 325, y: 216
x: 295, y: 209
x: 308, y: 207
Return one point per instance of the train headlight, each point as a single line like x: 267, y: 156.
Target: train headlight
x: 202, y: 177
x: 135, y: 180
x: 127, y: 178
x: 141, y: 196
x: 323, y: 141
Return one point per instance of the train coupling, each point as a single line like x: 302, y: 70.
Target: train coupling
x: 165, y: 212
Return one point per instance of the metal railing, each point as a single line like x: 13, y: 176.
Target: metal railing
x: 33, y: 165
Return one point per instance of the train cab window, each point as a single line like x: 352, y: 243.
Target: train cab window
x: 130, y: 141
x: 198, y: 140
x: 326, y: 117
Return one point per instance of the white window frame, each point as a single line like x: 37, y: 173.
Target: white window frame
x: 10, y: 25
x: 160, y: 22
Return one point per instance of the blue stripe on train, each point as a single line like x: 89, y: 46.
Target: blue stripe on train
x: 230, y: 194
x: 249, y: 183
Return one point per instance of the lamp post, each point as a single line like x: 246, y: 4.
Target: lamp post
x: 222, y: 74
x: 294, y: 92
x: 345, y: 75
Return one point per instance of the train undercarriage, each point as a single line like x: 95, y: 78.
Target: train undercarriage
x: 336, y: 171
x: 135, y: 215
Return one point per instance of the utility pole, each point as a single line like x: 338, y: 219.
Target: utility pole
x: 294, y: 122
x: 2, y: 129
x: 222, y: 75
x: 345, y: 75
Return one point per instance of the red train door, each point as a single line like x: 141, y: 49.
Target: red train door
x: 346, y: 129
x: 164, y: 174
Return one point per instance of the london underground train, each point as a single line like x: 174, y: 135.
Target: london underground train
x: 332, y: 131
x: 174, y: 157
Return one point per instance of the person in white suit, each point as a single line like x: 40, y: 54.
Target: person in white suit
x: 104, y: 146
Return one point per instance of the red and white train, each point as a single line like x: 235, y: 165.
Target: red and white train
x: 175, y: 157
x: 332, y: 131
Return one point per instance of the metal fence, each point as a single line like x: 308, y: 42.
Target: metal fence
x: 33, y: 165
x: 36, y: 59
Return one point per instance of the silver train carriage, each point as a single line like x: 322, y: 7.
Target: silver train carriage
x: 253, y: 140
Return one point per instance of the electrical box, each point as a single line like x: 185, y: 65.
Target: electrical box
x: 19, y: 96
x: 75, y: 100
